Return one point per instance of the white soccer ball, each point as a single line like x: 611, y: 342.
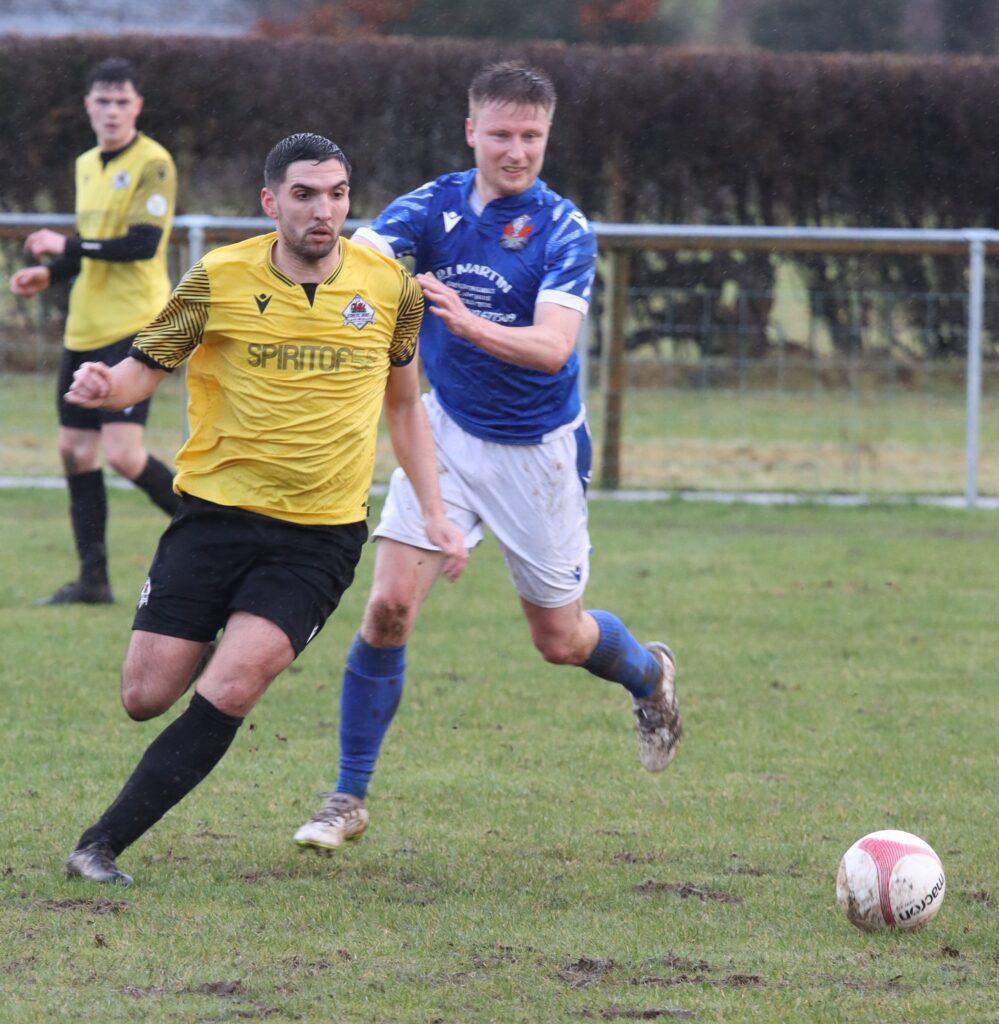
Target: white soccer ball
x: 890, y: 879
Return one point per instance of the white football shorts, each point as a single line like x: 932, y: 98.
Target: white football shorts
x: 532, y: 497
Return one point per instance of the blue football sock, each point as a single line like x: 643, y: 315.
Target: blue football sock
x: 620, y: 658
x: 372, y: 688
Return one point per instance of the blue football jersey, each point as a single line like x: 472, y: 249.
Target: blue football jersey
x: 520, y: 250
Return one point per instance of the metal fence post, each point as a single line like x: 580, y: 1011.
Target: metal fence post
x: 612, y: 364
x: 976, y: 316
x: 195, y: 240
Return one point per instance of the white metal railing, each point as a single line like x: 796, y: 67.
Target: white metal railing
x: 618, y: 240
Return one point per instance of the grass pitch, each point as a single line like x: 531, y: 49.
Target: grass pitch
x: 837, y: 675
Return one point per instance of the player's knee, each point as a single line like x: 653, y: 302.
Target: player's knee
x: 388, y: 621
x: 77, y: 457
x: 142, y: 696
x: 127, y: 462
x: 139, y: 704
x: 556, y: 649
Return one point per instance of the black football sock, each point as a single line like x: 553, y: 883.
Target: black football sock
x: 88, y: 512
x: 173, y: 764
x: 157, y: 481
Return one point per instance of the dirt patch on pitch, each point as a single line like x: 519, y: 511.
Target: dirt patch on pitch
x: 17, y: 966
x: 691, y: 971
x: 143, y: 991
x: 687, y: 890
x: 584, y: 972
x: 98, y: 905
x: 652, y: 1013
x: 727, y: 981
x: 627, y: 857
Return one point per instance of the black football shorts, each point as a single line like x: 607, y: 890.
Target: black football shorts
x: 213, y: 560
x: 76, y: 416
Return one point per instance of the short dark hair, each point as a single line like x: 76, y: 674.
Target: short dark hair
x: 113, y: 71
x: 512, y: 82
x: 302, y: 146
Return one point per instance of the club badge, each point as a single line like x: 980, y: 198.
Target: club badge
x: 516, y: 233
x: 121, y: 180
x: 358, y: 313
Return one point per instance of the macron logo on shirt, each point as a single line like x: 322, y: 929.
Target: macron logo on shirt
x: 450, y: 220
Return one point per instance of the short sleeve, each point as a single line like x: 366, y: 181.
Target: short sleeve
x: 178, y: 329
x: 155, y: 195
x: 407, y: 324
x: 570, y: 260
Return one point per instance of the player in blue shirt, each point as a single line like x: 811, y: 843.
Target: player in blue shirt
x: 506, y: 266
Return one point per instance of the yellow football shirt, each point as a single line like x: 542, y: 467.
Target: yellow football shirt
x: 110, y: 299
x: 285, y: 394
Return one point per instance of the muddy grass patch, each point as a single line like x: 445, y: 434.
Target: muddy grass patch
x: 585, y: 971
x: 687, y: 890
x: 651, y: 1013
x: 92, y: 905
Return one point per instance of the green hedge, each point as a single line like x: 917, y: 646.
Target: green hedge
x: 642, y: 133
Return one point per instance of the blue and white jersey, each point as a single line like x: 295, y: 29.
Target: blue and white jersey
x: 518, y: 251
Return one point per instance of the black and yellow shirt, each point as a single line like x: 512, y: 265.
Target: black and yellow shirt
x: 285, y: 389
x: 112, y: 299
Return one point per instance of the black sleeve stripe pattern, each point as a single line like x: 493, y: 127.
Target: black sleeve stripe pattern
x: 407, y: 323
x: 137, y: 353
x: 178, y: 329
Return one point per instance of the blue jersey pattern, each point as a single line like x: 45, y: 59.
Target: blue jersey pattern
x: 499, y: 262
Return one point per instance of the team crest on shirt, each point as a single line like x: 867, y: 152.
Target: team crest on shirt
x: 358, y: 313
x: 121, y: 180
x: 515, y: 234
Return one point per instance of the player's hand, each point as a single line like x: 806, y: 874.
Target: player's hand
x: 446, y: 303
x: 45, y: 242
x: 449, y: 538
x: 30, y: 281
x: 91, y: 385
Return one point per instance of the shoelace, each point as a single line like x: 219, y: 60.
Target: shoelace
x: 336, y: 806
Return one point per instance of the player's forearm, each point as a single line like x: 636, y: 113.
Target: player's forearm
x: 413, y: 444
x: 537, y: 347
x: 130, y: 382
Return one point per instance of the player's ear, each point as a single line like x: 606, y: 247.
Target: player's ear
x: 268, y: 203
x: 470, y: 132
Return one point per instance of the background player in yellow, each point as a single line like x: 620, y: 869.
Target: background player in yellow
x: 125, y: 195
x: 295, y: 341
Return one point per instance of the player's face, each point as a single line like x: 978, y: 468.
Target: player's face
x: 509, y: 142
x: 113, y: 108
x: 309, y: 208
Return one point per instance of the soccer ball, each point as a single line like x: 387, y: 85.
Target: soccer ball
x: 890, y: 879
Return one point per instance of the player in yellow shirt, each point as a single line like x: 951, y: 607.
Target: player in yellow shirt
x: 125, y: 195
x: 295, y: 340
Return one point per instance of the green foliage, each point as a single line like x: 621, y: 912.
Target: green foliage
x: 970, y: 26
x: 858, y: 26
x: 837, y: 670
x: 642, y: 134
x: 655, y: 134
